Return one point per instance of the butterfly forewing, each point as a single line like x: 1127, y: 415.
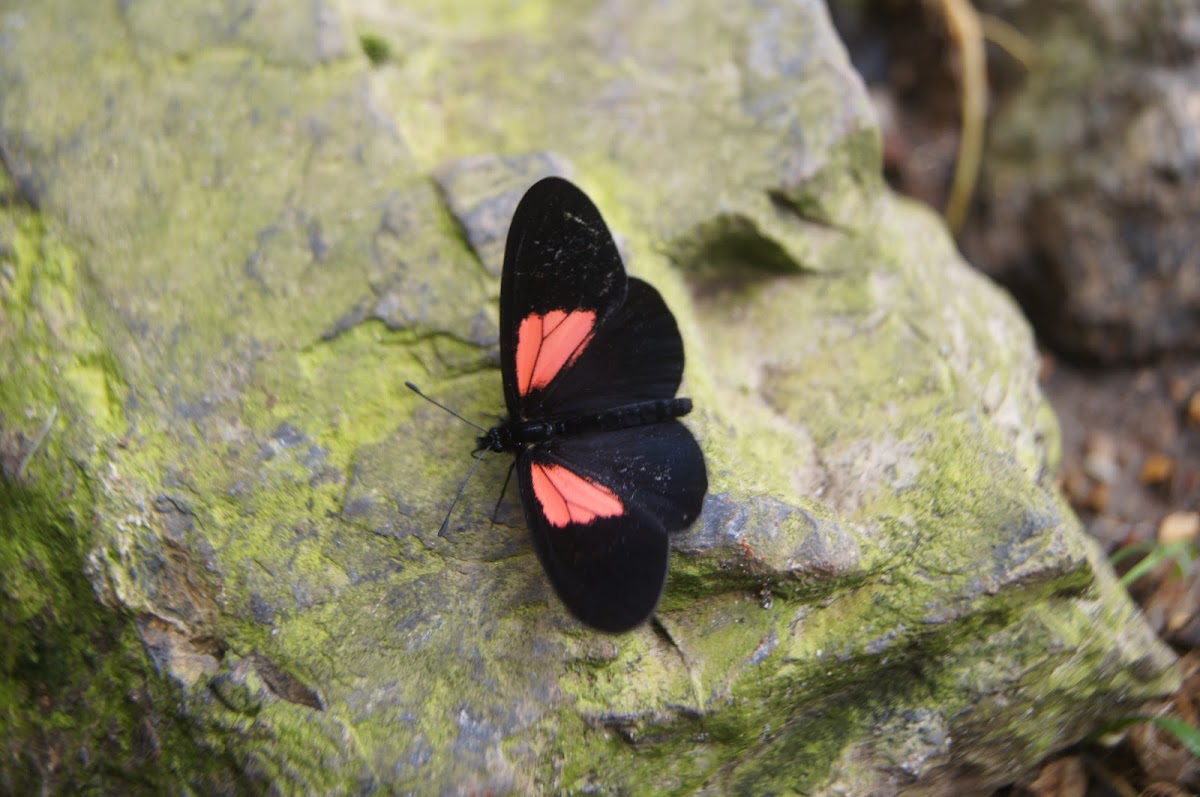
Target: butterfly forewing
x: 562, y: 278
x: 635, y: 355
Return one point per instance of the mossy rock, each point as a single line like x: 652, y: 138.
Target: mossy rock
x: 231, y: 233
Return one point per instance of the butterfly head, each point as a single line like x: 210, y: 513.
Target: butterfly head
x: 514, y: 435
x: 499, y: 439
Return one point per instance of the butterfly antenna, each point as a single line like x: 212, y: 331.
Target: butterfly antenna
x: 417, y: 390
x: 478, y: 458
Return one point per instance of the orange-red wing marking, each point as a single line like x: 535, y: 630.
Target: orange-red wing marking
x: 566, y: 497
x: 546, y: 343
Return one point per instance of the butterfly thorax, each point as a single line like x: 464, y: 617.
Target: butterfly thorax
x: 512, y: 435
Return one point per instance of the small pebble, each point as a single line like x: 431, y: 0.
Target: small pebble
x: 1157, y: 468
x: 1100, y: 457
x: 1097, y: 499
x: 1179, y: 527
x: 1076, y: 485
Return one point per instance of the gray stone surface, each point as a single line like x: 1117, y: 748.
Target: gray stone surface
x: 1091, y: 206
x: 229, y: 239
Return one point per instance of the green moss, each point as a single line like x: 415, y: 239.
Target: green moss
x: 78, y: 701
x: 376, y: 48
x: 81, y: 707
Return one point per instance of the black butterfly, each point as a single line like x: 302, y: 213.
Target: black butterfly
x: 591, y: 361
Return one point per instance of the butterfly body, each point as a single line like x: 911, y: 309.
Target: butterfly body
x: 591, y: 360
x: 511, y: 436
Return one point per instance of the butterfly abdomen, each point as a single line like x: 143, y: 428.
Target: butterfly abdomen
x: 640, y: 413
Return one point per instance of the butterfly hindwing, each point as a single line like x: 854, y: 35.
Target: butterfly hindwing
x: 658, y: 467
x: 600, y: 507
x: 635, y: 355
x: 609, y: 572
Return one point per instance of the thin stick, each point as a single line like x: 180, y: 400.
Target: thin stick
x: 417, y: 390
x: 964, y: 26
x: 1009, y: 39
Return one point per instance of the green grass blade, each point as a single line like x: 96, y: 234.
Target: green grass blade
x: 1178, y: 551
x: 1188, y: 735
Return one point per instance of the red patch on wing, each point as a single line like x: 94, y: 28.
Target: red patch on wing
x: 546, y: 343
x: 566, y: 497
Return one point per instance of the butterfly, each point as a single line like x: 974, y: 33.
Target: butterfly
x: 591, y: 360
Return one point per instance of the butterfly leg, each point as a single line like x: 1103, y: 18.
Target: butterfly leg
x: 445, y: 523
x: 503, y: 490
